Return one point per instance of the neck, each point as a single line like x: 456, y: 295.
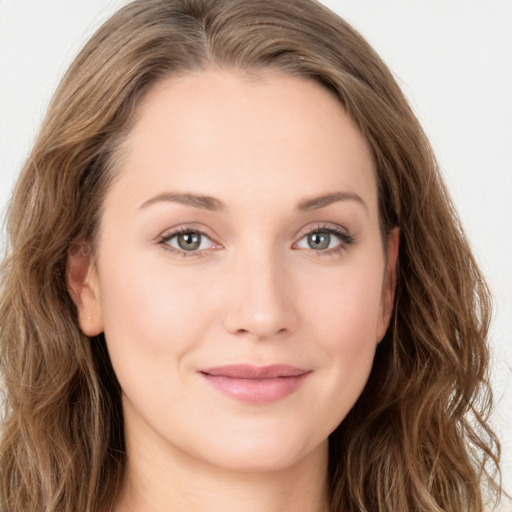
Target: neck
x: 167, y: 480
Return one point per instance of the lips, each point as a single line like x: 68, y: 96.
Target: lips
x: 256, y: 384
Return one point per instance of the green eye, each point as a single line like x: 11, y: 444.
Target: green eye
x: 325, y: 240
x: 319, y: 241
x: 189, y: 241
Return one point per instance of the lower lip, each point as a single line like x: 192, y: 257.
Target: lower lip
x: 256, y: 391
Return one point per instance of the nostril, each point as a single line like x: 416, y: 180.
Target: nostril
x: 260, y: 306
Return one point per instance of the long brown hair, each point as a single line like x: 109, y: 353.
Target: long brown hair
x: 417, y: 438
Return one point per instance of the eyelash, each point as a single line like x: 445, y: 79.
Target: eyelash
x: 346, y: 240
x: 164, y: 239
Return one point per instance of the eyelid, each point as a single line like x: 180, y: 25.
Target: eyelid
x: 346, y: 238
x: 170, y: 233
x: 324, y: 226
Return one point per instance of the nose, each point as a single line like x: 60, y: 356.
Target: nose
x: 261, y: 302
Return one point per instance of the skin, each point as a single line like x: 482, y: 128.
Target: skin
x: 256, y: 291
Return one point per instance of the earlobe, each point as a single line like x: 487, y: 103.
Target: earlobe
x: 83, y: 288
x: 389, y: 283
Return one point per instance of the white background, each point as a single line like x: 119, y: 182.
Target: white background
x: 453, y: 58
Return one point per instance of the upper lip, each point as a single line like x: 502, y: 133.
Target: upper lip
x: 248, y: 371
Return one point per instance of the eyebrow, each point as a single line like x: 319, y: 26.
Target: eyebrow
x: 213, y: 204
x: 314, y: 203
x: 188, y: 199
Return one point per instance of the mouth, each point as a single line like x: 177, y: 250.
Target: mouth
x: 256, y: 384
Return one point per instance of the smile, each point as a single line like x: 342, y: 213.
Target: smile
x: 256, y: 384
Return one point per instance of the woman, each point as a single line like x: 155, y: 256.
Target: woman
x: 236, y: 281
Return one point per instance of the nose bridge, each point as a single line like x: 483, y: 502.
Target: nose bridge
x: 261, y: 291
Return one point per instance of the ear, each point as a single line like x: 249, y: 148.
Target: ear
x: 82, y: 282
x: 388, y: 284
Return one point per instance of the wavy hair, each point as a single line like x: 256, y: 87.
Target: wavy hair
x: 417, y: 439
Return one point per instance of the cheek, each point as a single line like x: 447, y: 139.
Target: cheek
x: 343, y: 317
x: 345, y: 305
x: 151, y: 317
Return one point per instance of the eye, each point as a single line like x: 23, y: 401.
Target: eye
x: 326, y: 240
x: 187, y: 240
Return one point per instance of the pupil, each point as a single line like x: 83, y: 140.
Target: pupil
x: 319, y: 240
x: 189, y: 241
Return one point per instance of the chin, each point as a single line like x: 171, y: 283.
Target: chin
x: 261, y: 452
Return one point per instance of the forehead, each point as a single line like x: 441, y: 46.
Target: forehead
x: 269, y: 135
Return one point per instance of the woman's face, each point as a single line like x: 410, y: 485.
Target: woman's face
x: 240, y: 277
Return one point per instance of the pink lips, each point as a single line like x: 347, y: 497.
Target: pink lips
x: 256, y: 384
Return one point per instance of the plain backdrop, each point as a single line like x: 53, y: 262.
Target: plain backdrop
x: 453, y: 59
